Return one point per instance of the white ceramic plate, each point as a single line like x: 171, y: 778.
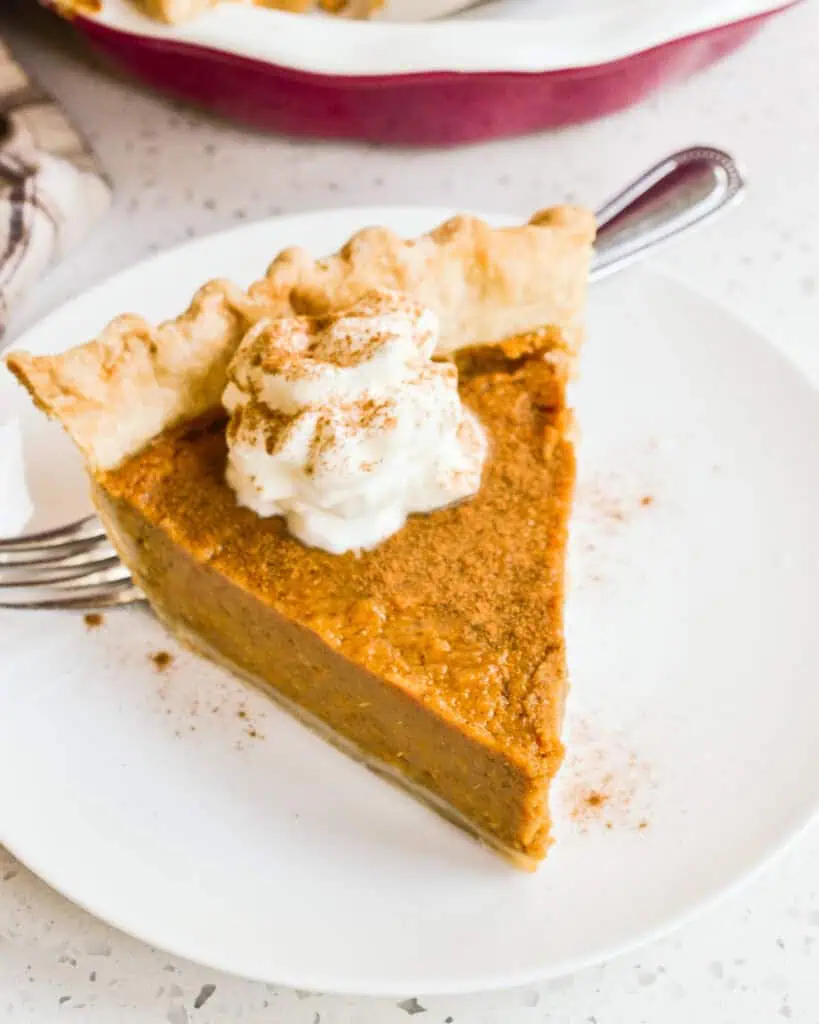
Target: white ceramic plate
x: 694, y: 712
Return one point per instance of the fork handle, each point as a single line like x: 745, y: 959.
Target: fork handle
x: 682, y: 191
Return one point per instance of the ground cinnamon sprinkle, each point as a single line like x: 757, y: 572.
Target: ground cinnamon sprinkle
x: 162, y: 660
x: 601, y: 502
x: 589, y: 804
x: 607, y: 786
x: 93, y: 620
x: 607, y: 507
x: 605, y: 500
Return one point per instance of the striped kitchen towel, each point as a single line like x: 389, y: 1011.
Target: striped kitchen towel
x: 51, y: 189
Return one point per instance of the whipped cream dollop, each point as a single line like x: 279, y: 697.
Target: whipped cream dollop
x: 345, y: 425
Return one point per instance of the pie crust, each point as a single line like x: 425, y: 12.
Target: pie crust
x: 486, y: 284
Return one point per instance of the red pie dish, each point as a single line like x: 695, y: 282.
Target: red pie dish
x: 463, y: 79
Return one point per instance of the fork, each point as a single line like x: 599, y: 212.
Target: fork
x: 71, y: 567
x: 75, y: 567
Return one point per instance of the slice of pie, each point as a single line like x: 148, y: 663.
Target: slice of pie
x: 438, y: 656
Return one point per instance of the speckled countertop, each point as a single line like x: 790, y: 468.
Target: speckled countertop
x: 753, y: 959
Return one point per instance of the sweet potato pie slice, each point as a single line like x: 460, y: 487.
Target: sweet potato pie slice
x: 438, y: 657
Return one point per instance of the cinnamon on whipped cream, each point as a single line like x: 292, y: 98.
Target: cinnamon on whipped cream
x: 344, y: 425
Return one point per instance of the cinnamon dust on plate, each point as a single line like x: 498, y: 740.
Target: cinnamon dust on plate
x: 162, y: 660
x: 610, y: 505
x: 188, y: 712
x: 604, y: 784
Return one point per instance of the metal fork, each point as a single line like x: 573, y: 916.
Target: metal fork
x: 75, y: 566
x: 72, y: 566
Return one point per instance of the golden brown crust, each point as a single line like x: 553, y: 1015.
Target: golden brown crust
x: 116, y: 393
x: 484, y: 283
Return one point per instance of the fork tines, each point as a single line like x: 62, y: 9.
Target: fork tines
x: 72, y: 566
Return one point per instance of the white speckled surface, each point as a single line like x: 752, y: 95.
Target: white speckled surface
x: 753, y: 959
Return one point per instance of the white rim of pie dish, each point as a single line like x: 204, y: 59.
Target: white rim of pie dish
x: 336, y: 46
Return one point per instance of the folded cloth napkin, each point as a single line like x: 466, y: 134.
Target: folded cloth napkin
x: 51, y: 189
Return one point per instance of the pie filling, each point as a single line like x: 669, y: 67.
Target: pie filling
x: 438, y: 655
